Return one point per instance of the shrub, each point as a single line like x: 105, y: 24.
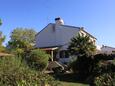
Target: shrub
x: 38, y: 59
x: 106, y: 79
x: 14, y: 72
x: 73, y: 65
x: 104, y: 70
x: 19, y: 52
x: 82, y: 66
x: 89, y: 67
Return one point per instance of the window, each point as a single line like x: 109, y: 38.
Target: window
x: 64, y: 54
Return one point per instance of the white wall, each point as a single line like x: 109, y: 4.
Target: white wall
x: 107, y: 50
x: 91, y: 38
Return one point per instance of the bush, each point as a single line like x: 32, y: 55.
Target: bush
x: 82, y: 66
x: 89, y: 67
x: 19, y: 52
x: 106, y: 79
x: 104, y: 74
x: 38, y: 59
x: 103, y: 70
x: 14, y: 72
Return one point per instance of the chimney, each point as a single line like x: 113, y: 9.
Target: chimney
x: 59, y: 21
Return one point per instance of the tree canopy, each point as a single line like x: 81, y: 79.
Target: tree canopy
x: 21, y: 38
x: 23, y: 34
x: 0, y: 22
x: 2, y: 38
x: 81, y: 45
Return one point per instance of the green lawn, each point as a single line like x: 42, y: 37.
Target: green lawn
x: 70, y: 79
x: 73, y: 84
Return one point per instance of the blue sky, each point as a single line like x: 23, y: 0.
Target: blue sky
x: 97, y: 16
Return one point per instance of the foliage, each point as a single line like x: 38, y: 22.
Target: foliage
x: 14, y: 72
x: 102, y: 63
x: 104, y: 75
x: 23, y: 34
x: 81, y: 45
x: 104, y: 70
x: 0, y: 22
x: 2, y: 49
x: 89, y: 67
x: 2, y: 38
x: 22, y: 39
x: 38, y: 59
x: 73, y: 84
x: 18, y: 52
x: 82, y: 66
x: 106, y: 79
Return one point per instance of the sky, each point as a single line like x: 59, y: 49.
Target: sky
x: 96, y: 16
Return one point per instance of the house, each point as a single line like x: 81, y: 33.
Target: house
x: 55, y: 38
x: 107, y: 50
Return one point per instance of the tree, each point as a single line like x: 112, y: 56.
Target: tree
x: 2, y: 38
x: 82, y: 48
x: 22, y: 38
x: 81, y: 45
x: 0, y: 22
x: 23, y: 34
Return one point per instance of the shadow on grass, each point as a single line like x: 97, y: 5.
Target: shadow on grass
x: 69, y: 77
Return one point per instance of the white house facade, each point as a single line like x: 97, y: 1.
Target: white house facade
x: 55, y: 38
x: 107, y: 50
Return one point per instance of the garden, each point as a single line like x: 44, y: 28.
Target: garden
x: 24, y: 65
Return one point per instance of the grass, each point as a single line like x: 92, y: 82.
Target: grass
x: 73, y: 84
x: 70, y: 79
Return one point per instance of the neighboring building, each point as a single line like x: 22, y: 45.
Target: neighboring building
x: 98, y: 49
x: 55, y: 38
x: 107, y: 50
